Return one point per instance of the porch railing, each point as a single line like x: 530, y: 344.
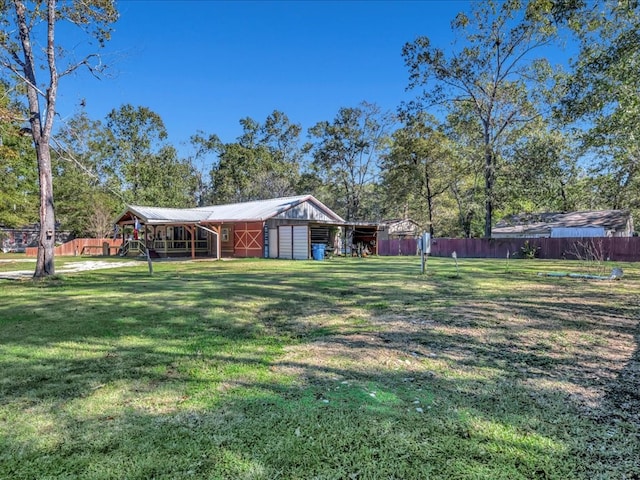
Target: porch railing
x: 133, y: 247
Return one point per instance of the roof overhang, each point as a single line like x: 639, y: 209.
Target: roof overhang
x: 258, y: 211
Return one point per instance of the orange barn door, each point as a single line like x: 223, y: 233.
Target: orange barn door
x: 248, y: 239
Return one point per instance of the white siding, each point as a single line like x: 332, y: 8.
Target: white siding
x: 301, y: 242
x: 404, y: 227
x: 285, y: 246
x: 273, y: 243
x: 577, y: 232
x: 307, y: 211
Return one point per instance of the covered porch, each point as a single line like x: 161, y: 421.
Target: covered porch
x: 160, y: 239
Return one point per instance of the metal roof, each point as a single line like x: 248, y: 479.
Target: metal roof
x: 152, y: 215
x: 264, y: 209
x: 258, y: 210
x: 541, y: 223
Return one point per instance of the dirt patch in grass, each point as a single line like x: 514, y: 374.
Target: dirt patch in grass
x: 551, y: 342
x: 343, y: 357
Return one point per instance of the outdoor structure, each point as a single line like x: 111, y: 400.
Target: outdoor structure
x: 361, y: 239
x: 398, y: 237
x: 398, y: 229
x: 276, y: 228
x: 591, y: 223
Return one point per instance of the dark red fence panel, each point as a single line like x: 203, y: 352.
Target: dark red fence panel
x: 476, y: 247
x: 395, y: 247
x: 622, y: 249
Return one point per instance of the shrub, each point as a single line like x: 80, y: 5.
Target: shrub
x: 529, y: 251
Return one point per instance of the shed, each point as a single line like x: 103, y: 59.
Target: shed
x: 273, y: 228
x: 590, y: 223
x: 398, y: 229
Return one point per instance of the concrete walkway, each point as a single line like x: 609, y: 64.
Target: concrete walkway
x: 68, y: 268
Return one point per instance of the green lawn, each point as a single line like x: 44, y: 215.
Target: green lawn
x: 343, y: 369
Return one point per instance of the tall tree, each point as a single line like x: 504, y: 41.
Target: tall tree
x: 147, y: 169
x: 417, y: 169
x: 168, y: 180
x: 246, y: 172
x: 346, y: 155
x: 204, y: 147
x: 264, y: 162
x: 134, y: 135
x: 21, y: 57
x: 283, y: 139
x: 603, y: 97
x: 467, y: 170
x: 541, y: 172
x: 494, y: 73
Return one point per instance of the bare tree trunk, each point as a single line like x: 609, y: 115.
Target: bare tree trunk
x: 46, y: 240
x: 429, y: 206
x: 41, y: 131
x: 489, y: 176
x: 488, y: 204
x: 38, y: 58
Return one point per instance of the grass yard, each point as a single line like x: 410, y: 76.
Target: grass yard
x: 343, y: 369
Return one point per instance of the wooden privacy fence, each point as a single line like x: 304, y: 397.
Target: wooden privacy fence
x: 621, y: 249
x: 395, y: 247
x: 82, y: 246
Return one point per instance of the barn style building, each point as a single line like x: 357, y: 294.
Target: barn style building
x: 276, y: 228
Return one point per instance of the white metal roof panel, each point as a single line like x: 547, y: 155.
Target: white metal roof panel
x: 265, y: 209
x: 258, y: 210
x: 168, y: 215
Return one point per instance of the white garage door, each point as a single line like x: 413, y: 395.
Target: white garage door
x: 273, y: 243
x: 285, y: 242
x: 301, y: 243
x: 293, y: 242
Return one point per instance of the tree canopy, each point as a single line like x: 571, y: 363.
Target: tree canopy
x: 494, y: 129
x: 346, y: 155
x: 494, y: 71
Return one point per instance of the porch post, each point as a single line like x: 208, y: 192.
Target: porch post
x: 166, y: 240
x: 218, y: 230
x: 219, y: 243
x: 192, y: 230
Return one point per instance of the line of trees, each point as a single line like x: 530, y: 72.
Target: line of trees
x: 494, y: 129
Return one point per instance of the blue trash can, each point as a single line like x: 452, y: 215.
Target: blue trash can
x: 317, y: 251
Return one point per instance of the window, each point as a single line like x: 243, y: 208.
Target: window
x: 225, y: 234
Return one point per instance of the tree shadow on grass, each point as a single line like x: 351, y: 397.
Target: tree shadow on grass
x: 189, y: 373
x: 623, y: 395
x: 368, y: 426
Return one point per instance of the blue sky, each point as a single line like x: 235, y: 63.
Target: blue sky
x: 204, y: 65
